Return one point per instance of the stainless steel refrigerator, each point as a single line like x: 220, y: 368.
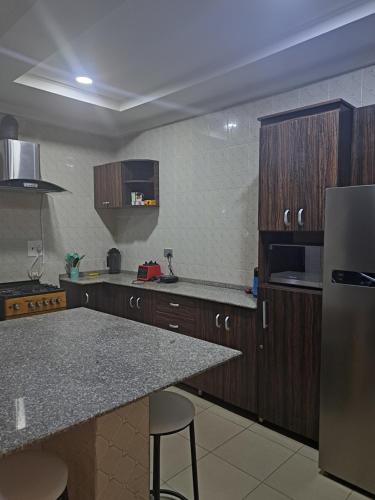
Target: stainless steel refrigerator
x: 347, y: 416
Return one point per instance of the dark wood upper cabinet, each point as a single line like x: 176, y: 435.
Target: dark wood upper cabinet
x: 302, y: 153
x: 114, y: 183
x: 363, y: 147
x: 289, y: 359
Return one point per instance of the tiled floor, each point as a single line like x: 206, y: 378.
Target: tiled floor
x: 239, y: 459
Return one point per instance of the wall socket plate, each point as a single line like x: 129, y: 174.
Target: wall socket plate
x: 167, y: 252
x: 32, y: 247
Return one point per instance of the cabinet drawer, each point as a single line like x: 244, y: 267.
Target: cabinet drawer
x: 176, y: 323
x: 176, y: 306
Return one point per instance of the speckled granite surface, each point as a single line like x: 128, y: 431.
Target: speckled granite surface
x: 222, y: 294
x: 63, y: 368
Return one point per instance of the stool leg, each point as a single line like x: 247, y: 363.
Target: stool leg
x: 156, y: 472
x: 194, y: 461
x: 64, y: 495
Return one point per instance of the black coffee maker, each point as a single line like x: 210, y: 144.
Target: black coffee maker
x: 114, y: 261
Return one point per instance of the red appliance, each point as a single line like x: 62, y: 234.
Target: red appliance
x: 148, y: 271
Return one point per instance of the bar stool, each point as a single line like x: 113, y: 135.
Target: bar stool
x: 171, y: 413
x: 33, y: 475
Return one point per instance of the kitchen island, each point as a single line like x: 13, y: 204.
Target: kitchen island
x: 77, y: 382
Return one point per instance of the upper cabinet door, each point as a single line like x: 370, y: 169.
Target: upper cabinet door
x: 302, y: 152
x: 108, y: 185
x: 316, y: 165
x: 276, y: 177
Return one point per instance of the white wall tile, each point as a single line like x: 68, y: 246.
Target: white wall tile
x: 208, y: 191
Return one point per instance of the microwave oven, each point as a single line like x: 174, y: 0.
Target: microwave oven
x: 296, y: 265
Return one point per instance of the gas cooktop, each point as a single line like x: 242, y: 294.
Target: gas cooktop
x: 24, y: 288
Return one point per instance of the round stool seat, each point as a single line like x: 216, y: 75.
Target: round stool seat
x: 169, y: 413
x: 32, y: 475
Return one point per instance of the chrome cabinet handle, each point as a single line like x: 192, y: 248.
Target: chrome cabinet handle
x: 264, y: 314
x: 131, y: 302
x: 287, y: 217
x: 106, y: 203
x: 300, y: 217
x: 174, y: 304
x: 138, y: 302
x: 217, y: 317
x: 175, y: 327
x: 226, y: 323
x: 87, y: 296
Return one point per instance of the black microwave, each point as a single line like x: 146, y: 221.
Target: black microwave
x: 296, y: 265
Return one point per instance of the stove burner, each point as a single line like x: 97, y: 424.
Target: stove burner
x: 22, y: 288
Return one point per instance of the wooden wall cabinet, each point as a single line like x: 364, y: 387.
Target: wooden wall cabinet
x: 114, y: 183
x: 363, y: 148
x: 302, y: 152
x: 289, y: 359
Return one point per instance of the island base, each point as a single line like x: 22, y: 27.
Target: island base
x: 108, y: 457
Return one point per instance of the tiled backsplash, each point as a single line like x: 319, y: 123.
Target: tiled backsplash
x: 208, y: 191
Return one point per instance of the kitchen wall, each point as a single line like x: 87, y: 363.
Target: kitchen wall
x: 208, y: 191
x: 69, y: 220
x: 209, y: 183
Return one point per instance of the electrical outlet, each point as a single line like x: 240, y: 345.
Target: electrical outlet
x: 168, y: 252
x: 33, y: 246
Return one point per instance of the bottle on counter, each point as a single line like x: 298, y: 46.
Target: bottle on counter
x: 254, y: 289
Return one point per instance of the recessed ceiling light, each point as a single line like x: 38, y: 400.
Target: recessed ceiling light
x: 85, y: 80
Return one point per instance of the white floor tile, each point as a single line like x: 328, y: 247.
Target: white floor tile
x: 232, y: 417
x: 175, y: 455
x: 299, y: 478
x: 358, y: 496
x: 254, y: 454
x: 264, y: 492
x: 217, y: 481
x: 276, y: 437
x: 309, y: 452
x: 211, y: 431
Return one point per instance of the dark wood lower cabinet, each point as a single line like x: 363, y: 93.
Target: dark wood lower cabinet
x: 289, y: 361
x: 277, y: 376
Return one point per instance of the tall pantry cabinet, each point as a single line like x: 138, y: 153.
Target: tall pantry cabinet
x: 302, y: 152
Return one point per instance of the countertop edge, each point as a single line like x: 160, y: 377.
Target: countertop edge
x: 252, y: 305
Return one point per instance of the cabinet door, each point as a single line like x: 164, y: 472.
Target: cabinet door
x: 289, y: 362
x: 111, y: 299
x: 240, y: 375
x: 276, y: 177
x: 89, y: 294
x: 316, y: 157
x: 108, y: 186
x: 210, y: 328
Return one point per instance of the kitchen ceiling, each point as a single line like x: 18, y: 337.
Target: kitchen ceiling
x: 157, y: 61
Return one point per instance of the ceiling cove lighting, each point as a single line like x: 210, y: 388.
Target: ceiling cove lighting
x: 85, y: 80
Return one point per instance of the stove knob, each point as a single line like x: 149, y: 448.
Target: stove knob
x: 16, y: 307
x: 53, y: 301
x: 31, y: 305
x: 39, y: 303
x: 46, y: 302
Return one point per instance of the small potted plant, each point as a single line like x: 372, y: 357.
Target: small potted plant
x: 72, y: 262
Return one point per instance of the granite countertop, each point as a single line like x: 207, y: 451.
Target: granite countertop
x: 63, y: 368
x: 216, y: 293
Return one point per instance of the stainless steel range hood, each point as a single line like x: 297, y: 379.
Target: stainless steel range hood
x: 20, y: 168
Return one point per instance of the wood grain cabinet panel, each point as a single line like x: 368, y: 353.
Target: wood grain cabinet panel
x: 114, y: 183
x: 289, y: 361
x: 302, y: 153
x: 363, y: 149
